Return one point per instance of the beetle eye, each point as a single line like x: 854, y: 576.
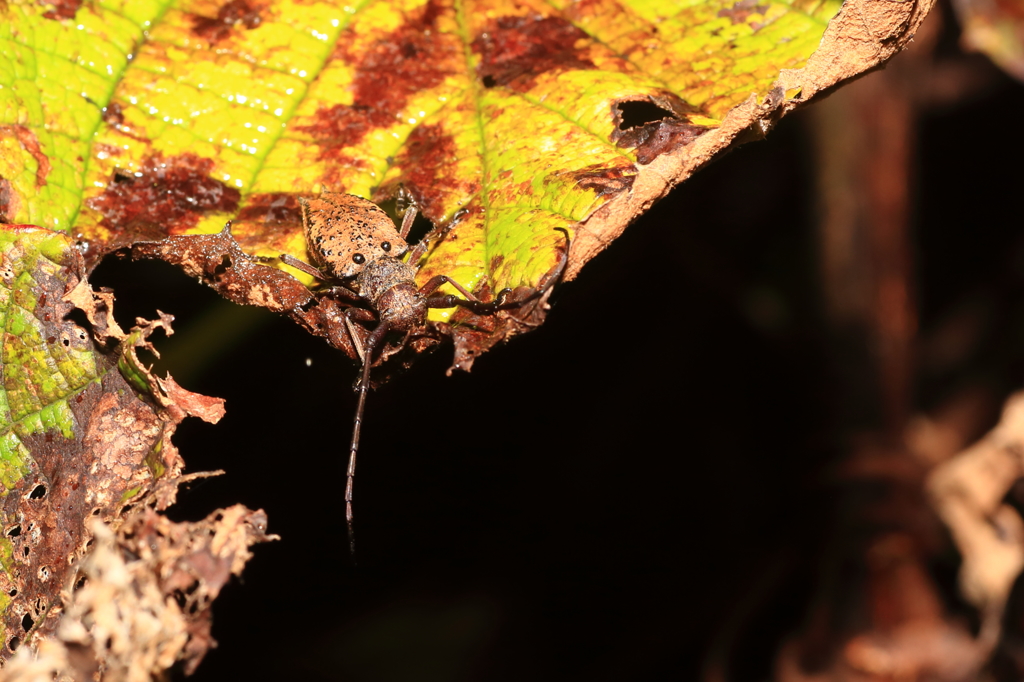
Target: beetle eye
x: 358, y: 258
x: 386, y: 246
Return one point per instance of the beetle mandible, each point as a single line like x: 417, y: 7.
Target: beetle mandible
x: 355, y: 244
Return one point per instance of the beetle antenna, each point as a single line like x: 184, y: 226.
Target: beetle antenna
x: 363, y: 387
x: 357, y: 423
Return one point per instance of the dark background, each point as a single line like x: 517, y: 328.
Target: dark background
x: 643, y: 481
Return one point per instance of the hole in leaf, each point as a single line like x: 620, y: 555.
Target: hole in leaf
x: 14, y: 643
x: 636, y: 114
x: 489, y: 81
x: 78, y: 319
x: 222, y: 267
x: 38, y: 492
x: 14, y: 532
x: 25, y: 550
x: 13, y: 592
x: 145, y: 356
x: 420, y: 227
x: 80, y: 583
x: 27, y: 622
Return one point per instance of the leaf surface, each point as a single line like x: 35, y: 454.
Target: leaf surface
x: 517, y: 128
x: 506, y: 122
x: 77, y: 441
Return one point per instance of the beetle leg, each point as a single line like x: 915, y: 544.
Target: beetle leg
x: 432, y: 285
x: 347, y: 295
x: 356, y: 343
x: 519, y: 298
x: 407, y: 220
x: 302, y: 266
x: 470, y: 301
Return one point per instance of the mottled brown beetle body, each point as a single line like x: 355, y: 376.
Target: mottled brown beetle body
x: 344, y: 232
x: 356, y: 245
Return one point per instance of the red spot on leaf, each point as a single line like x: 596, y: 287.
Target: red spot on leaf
x: 231, y: 15
x: 113, y: 115
x: 107, y: 150
x: 266, y: 218
x: 277, y: 207
x: 496, y: 262
x: 61, y: 9
x: 515, y: 50
x: 166, y: 194
x: 429, y: 172
x: 605, y: 180
x: 30, y: 143
x: 739, y: 12
x: 413, y: 58
x: 9, y: 201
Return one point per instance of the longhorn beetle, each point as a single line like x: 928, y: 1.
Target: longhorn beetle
x: 353, y: 243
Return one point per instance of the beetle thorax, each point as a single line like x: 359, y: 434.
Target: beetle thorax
x: 390, y: 287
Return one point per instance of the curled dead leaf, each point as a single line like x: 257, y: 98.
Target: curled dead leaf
x: 172, y: 397
x: 218, y: 260
x: 140, y: 601
x: 968, y: 493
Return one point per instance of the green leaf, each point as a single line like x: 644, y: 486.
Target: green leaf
x: 508, y: 123
x: 76, y: 440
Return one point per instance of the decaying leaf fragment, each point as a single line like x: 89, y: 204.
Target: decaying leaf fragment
x: 142, y: 597
x: 242, y: 279
x: 178, y: 402
x: 915, y: 637
x: 995, y: 28
x: 968, y: 493
x: 508, y: 123
x: 84, y: 427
